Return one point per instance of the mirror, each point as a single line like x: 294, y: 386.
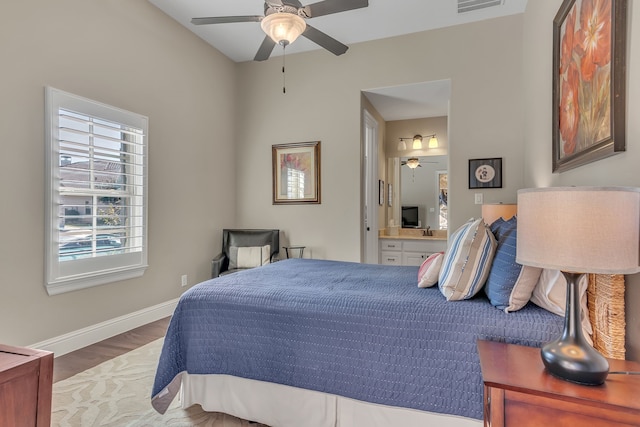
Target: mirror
x: 443, y: 199
x: 425, y: 186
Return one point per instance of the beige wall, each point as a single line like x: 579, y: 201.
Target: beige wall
x: 212, y: 124
x: 323, y: 102
x: 397, y: 129
x: 130, y: 55
x: 621, y: 169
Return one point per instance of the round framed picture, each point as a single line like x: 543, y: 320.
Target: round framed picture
x: 485, y: 173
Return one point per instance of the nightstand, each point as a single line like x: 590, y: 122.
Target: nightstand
x: 519, y: 392
x: 26, y: 378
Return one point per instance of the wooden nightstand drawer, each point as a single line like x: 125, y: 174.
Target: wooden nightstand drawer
x: 530, y: 411
x: 518, y: 392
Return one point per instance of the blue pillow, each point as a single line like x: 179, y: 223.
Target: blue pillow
x: 509, y: 285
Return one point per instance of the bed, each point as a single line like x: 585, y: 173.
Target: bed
x: 327, y: 343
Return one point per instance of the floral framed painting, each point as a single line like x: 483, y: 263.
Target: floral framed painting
x: 296, y: 173
x: 589, y: 62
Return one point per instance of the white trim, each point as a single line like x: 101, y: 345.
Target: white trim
x: 82, y: 281
x: 370, y: 177
x: 73, y: 274
x: 75, y: 340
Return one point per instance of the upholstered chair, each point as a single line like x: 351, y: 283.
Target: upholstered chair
x: 243, y: 249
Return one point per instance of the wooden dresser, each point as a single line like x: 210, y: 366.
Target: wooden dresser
x: 26, y: 381
x: 519, y: 392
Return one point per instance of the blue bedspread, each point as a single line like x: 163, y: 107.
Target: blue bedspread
x: 361, y: 331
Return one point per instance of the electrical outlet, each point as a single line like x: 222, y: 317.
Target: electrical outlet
x: 478, y: 198
x: 184, y: 280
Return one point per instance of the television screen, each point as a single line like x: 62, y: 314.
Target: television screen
x: 409, y: 216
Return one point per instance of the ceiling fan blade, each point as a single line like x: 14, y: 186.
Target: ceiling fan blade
x: 322, y: 39
x: 226, y: 19
x: 328, y: 7
x: 265, y: 49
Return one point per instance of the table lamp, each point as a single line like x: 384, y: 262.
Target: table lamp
x: 578, y: 230
x: 494, y: 211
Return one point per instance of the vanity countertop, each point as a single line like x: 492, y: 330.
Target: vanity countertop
x: 413, y: 234
x: 408, y: 237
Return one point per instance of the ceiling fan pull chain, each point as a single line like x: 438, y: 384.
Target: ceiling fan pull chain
x: 284, y: 81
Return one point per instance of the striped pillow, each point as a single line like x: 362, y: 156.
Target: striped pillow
x: 467, y: 261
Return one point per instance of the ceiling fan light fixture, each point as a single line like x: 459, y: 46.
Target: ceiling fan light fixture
x: 413, y: 162
x: 433, y: 142
x: 283, y: 27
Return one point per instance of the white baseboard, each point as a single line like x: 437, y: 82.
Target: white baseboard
x: 75, y: 340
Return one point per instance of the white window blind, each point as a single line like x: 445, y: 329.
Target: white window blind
x: 295, y: 184
x: 97, y: 179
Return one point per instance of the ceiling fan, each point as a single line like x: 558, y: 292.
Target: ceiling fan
x: 284, y: 21
x: 414, y: 162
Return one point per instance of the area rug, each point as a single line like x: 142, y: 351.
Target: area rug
x: 117, y: 393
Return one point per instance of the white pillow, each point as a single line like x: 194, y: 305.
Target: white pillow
x: 550, y: 293
x: 249, y: 256
x: 429, y: 270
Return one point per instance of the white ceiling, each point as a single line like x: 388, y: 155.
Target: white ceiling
x: 381, y: 19
x: 413, y: 101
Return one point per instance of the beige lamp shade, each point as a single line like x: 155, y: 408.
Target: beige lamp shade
x: 284, y: 28
x: 493, y: 211
x: 580, y: 229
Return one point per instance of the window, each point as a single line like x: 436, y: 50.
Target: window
x: 96, y: 227
x: 295, y: 184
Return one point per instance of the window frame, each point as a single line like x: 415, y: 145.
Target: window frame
x: 71, y: 275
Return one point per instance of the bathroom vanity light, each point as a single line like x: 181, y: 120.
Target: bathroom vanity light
x: 417, y: 142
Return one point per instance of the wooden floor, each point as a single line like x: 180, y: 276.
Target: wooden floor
x: 77, y: 361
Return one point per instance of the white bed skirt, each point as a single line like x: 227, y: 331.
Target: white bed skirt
x: 279, y: 405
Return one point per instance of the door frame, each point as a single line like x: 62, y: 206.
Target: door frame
x: 369, y: 220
